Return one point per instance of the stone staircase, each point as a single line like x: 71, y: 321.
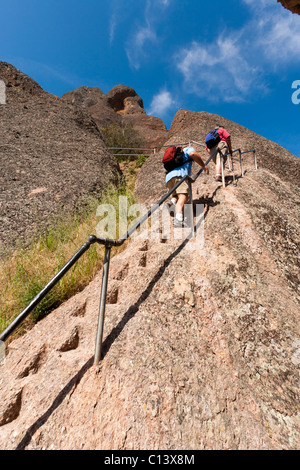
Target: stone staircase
x: 196, y: 345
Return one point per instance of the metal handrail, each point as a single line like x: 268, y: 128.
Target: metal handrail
x: 254, y: 154
x: 148, y: 150
x: 108, y: 243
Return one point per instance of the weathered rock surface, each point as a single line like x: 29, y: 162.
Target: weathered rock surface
x: 118, y: 95
x: 51, y: 154
x: 201, y: 342
x: 292, y: 5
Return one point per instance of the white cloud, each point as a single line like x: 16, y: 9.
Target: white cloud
x: 112, y: 27
x: 279, y: 38
x: 161, y: 103
x: 217, y: 70
x: 261, y: 4
x: 135, y: 48
x: 237, y: 64
x: 145, y: 35
x: 275, y: 32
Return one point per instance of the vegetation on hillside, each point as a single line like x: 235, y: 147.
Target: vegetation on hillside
x: 124, y: 139
x: 24, y: 273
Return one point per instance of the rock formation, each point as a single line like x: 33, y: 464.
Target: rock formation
x: 51, y: 154
x: 122, y: 105
x: 292, y: 5
x: 120, y: 94
x: 201, y: 340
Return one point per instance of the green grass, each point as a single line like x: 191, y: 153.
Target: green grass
x: 24, y: 273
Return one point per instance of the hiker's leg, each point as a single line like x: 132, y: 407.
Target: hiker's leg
x: 218, y: 165
x: 223, y: 149
x: 182, y: 200
x: 216, y: 160
x: 170, y: 184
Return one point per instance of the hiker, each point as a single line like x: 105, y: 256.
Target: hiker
x: 221, y: 139
x: 181, y: 194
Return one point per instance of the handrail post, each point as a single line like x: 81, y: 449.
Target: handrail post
x: 232, y: 170
x: 241, y: 164
x: 255, y: 160
x: 230, y: 162
x: 222, y: 168
x: 98, y: 347
x: 191, y: 209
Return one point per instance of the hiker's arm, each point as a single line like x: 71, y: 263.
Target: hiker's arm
x: 196, y: 157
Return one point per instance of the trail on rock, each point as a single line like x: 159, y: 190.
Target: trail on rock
x: 201, y: 347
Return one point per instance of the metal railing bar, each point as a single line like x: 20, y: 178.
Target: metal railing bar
x: 130, y: 148
x: 191, y: 209
x: 39, y: 297
x: 154, y: 148
x: 198, y: 143
x: 254, y: 154
x: 206, y: 163
x: 228, y: 154
x: 100, y: 327
x: 131, y: 155
x: 106, y: 241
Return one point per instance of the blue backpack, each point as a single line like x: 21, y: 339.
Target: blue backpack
x: 212, y: 139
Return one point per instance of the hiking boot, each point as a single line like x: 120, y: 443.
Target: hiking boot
x: 178, y: 224
x: 218, y: 178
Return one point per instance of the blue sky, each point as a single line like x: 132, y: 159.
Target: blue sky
x: 235, y: 58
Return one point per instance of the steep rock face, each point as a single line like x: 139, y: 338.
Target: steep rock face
x: 193, y: 126
x: 201, y: 340
x: 51, y: 154
x: 292, y: 5
x: 151, y: 128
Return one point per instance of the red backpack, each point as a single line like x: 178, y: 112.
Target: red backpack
x: 173, y: 158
